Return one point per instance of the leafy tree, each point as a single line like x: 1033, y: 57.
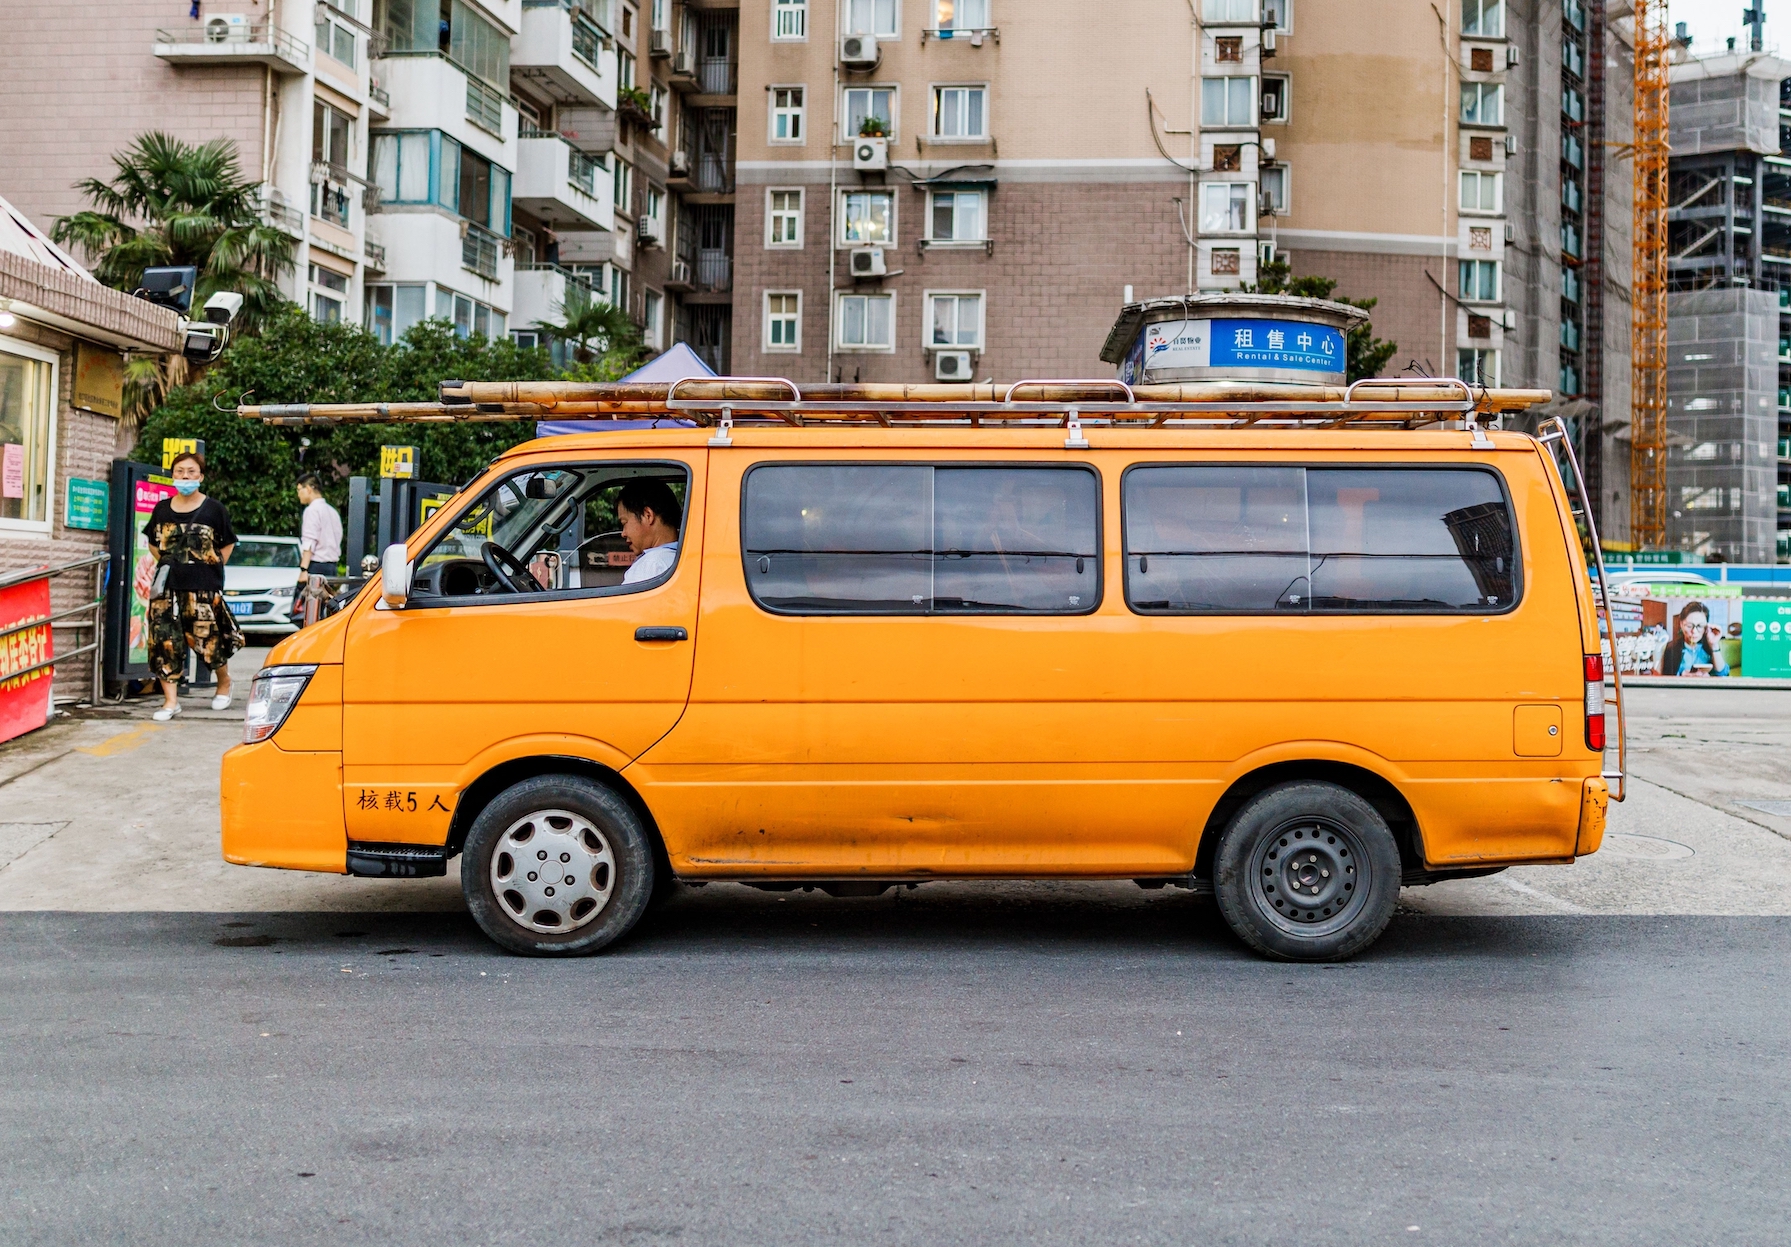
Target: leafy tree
x: 585, y: 319
x: 251, y: 466
x: 1366, y: 354
x: 194, y: 207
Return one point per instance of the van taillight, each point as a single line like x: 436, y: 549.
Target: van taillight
x: 1595, y: 702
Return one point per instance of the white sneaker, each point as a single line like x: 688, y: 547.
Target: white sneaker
x: 166, y: 713
x: 221, y: 702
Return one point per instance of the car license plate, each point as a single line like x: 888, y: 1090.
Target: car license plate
x: 242, y: 608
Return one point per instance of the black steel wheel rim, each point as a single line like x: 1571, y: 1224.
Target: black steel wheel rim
x: 1310, y: 876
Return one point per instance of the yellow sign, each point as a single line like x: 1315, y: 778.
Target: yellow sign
x: 99, y: 380
x: 398, y: 462
x: 172, y: 446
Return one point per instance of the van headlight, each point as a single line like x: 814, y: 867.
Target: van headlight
x: 272, y: 695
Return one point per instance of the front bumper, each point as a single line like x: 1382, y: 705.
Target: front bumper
x: 283, y: 808
x: 260, y: 611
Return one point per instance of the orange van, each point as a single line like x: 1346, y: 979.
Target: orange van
x: 1296, y: 667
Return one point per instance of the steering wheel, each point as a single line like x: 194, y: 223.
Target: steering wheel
x: 509, y: 571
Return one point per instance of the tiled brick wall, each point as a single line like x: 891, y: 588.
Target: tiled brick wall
x: 85, y: 446
x: 82, y: 81
x: 1063, y: 254
x: 1410, y: 308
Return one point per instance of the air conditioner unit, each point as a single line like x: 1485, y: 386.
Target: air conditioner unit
x: 646, y: 232
x: 229, y: 28
x: 953, y: 366
x: 680, y: 272
x: 1268, y: 42
x: 1511, y: 56
x: 682, y: 65
x: 868, y: 262
x: 858, y: 51
x: 680, y: 164
x: 660, y: 43
x: 1511, y: 144
x: 870, y: 154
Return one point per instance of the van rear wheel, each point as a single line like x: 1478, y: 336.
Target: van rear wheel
x: 1307, y: 871
x: 557, y: 866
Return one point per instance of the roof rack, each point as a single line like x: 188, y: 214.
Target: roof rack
x: 1048, y: 403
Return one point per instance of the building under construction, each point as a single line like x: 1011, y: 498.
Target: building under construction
x: 1729, y: 308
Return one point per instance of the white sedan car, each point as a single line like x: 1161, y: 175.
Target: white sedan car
x: 258, y: 583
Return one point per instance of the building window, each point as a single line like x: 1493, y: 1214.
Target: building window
x: 1225, y: 207
x: 789, y: 19
x: 960, y: 112
x: 623, y: 177
x: 656, y: 103
x: 957, y: 216
x: 1280, y: 12
x: 624, y: 67
x: 401, y: 166
x: 872, y: 17
x: 954, y: 321
x: 1230, y: 11
x: 1275, y: 183
x: 1277, y: 90
x: 867, y: 218
x: 392, y: 310
x: 1228, y: 103
x: 863, y: 102
x: 783, y: 218
x: 1477, y: 365
x: 330, y: 159
x: 1479, y: 191
x: 783, y: 321
x: 1483, y: 17
x: 653, y: 312
x: 787, y: 108
x: 329, y: 291
x: 1570, y: 284
x: 1479, y: 280
x: 335, y: 38
x: 961, y: 15
x: 28, y: 384
x: 470, y: 317
x: 1481, y: 104
x: 1228, y: 48
x: 866, y: 322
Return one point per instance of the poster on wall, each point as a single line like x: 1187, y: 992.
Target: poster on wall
x: 144, y: 495
x: 25, y: 700
x: 1766, y: 639
x: 1690, y: 637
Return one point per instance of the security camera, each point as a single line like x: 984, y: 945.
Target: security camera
x: 201, y: 341
x: 223, y: 307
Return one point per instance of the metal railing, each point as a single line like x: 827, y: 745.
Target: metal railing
x: 479, y: 250
x: 379, y: 95
x: 376, y: 255
x: 572, y: 278
x: 714, y: 270
x: 90, y: 609
x: 259, y: 35
x: 285, y: 218
x: 717, y: 77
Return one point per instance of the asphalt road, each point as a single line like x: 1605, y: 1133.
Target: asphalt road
x: 192, y: 1052
x: 1035, y: 1064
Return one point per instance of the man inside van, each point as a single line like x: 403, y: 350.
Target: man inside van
x: 650, y: 515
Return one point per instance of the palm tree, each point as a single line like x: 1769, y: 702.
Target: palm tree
x: 195, y: 207
x: 585, y: 319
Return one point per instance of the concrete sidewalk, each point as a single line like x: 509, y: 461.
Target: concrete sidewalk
x: 109, y: 811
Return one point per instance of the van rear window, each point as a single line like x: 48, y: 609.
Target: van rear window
x: 913, y: 539
x: 1285, y: 540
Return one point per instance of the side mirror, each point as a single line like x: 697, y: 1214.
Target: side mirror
x: 394, y: 569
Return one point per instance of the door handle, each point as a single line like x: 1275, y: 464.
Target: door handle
x: 661, y: 634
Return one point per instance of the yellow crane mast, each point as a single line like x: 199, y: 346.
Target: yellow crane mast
x: 1648, y: 334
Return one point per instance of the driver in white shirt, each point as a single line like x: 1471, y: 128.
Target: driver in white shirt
x: 650, y: 515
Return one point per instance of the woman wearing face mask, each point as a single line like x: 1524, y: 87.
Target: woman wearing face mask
x: 192, y: 539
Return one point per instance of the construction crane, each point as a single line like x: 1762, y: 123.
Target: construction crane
x: 1648, y: 332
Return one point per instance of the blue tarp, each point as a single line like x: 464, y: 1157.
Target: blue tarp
x: 671, y: 365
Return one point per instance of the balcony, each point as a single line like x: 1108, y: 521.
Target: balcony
x: 565, y: 56
x: 718, y: 77
x: 379, y: 100
x: 218, y: 43
x: 376, y: 256
x: 541, y: 291
x: 714, y: 271
x: 563, y: 186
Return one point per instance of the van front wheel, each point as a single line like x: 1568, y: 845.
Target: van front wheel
x: 1307, y: 871
x: 557, y: 866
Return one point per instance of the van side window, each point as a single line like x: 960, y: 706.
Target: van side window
x: 1256, y: 540
x: 900, y: 539
x: 550, y: 532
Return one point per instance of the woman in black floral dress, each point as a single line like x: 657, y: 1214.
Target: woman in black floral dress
x: 192, y: 539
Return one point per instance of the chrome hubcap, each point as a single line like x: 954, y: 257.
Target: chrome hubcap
x: 553, y: 871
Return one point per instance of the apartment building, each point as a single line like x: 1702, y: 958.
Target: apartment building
x: 291, y: 83
x: 969, y: 188
x: 1729, y: 307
